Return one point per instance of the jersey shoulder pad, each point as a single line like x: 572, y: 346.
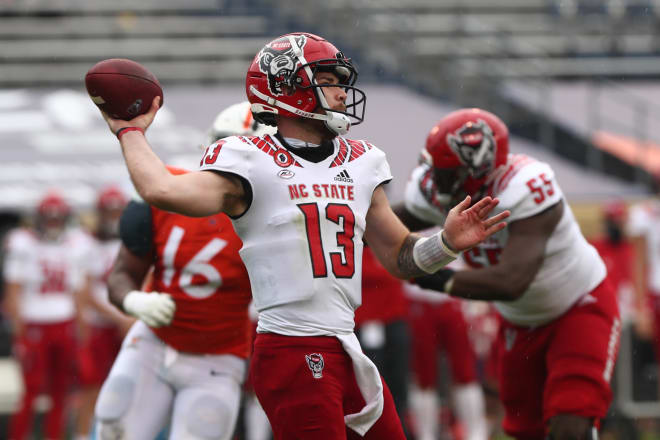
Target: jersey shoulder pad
x: 421, y: 196
x: 530, y: 189
x: 641, y: 218
x: 20, y: 240
x: 232, y: 154
x: 354, y: 151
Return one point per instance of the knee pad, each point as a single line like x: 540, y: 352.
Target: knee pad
x: 115, y: 399
x: 210, y: 418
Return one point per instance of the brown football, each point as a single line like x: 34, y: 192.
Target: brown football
x: 122, y: 88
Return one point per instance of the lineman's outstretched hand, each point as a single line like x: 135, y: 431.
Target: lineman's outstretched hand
x: 143, y: 121
x: 467, y: 226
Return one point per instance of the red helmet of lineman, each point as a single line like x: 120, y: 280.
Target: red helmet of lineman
x: 463, y: 148
x: 280, y: 81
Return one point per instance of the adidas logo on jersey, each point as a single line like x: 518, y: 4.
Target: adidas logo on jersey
x: 343, y: 177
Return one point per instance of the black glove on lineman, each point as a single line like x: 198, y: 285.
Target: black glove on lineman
x: 435, y: 281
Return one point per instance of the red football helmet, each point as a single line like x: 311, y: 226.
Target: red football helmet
x: 111, y: 198
x: 463, y: 148
x: 52, y: 214
x: 281, y: 81
x: 109, y: 204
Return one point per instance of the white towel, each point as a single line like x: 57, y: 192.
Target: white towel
x: 370, y: 384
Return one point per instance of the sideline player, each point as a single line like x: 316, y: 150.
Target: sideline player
x: 560, y: 323
x: 44, y: 276
x: 302, y: 234
x: 643, y: 230
x: 104, y: 325
x: 437, y: 323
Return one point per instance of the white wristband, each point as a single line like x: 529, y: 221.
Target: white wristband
x: 431, y: 253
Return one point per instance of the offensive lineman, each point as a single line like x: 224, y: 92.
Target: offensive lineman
x: 302, y: 234
x: 560, y: 322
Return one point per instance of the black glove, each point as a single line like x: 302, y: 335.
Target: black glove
x: 435, y: 281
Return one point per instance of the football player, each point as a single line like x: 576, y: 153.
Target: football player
x: 302, y: 201
x: 200, y: 349
x: 642, y: 228
x: 44, y: 273
x: 104, y: 325
x: 437, y: 323
x: 560, y: 321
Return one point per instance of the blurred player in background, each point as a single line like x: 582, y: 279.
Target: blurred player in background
x: 194, y: 362
x: 438, y: 324
x: 44, y: 275
x: 618, y: 253
x: 104, y: 326
x: 381, y: 327
x: 560, y: 323
x: 643, y: 228
x: 292, y: 198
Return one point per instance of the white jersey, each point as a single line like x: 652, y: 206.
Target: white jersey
x: 49, y: 272
x: 101, y: 258
x: 526, y: 187
x: 302, y: 233
x: 644, y: 221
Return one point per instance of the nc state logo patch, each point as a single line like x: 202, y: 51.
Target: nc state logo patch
x: 315, y: 363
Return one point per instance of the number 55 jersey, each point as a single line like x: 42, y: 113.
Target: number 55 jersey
x: 571, y: 266
x: 302, y: 232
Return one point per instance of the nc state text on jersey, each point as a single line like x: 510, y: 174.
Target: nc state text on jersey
x: 322, y: 190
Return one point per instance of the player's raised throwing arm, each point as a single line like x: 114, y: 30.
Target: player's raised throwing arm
x: 408, y: 255
x: 193, y: 194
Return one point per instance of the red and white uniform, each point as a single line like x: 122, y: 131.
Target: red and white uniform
x: 195, y: 366
x: 49, y: 273
x: 98, y: 351
x: 302, y: 246
x: 437, y: 323
x: 644, y: 220
x: 567, y: 305
x: 619, y: 259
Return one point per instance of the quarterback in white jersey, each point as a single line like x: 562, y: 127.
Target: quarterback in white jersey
x: 545, y: 280
x: 302, y: 202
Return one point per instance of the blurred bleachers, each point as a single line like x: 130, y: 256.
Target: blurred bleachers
x: 46, y: 43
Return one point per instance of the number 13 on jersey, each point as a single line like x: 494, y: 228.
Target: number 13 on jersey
x: 343, y: 263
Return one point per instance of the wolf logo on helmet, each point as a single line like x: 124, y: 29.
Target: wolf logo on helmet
x: 277, y: 60
x: 475, y: 146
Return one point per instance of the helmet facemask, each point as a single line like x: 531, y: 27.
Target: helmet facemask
x: 346, y: 74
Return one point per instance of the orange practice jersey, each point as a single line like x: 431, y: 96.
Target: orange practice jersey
x: 197, y: 263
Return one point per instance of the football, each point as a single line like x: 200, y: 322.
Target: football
x: 122, y: 88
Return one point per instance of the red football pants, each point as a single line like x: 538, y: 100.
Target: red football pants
x: 440, y: 326
x: 46, y: 353
x: 301, y: 407
x: 97, y: 354
x: 563, y: 367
